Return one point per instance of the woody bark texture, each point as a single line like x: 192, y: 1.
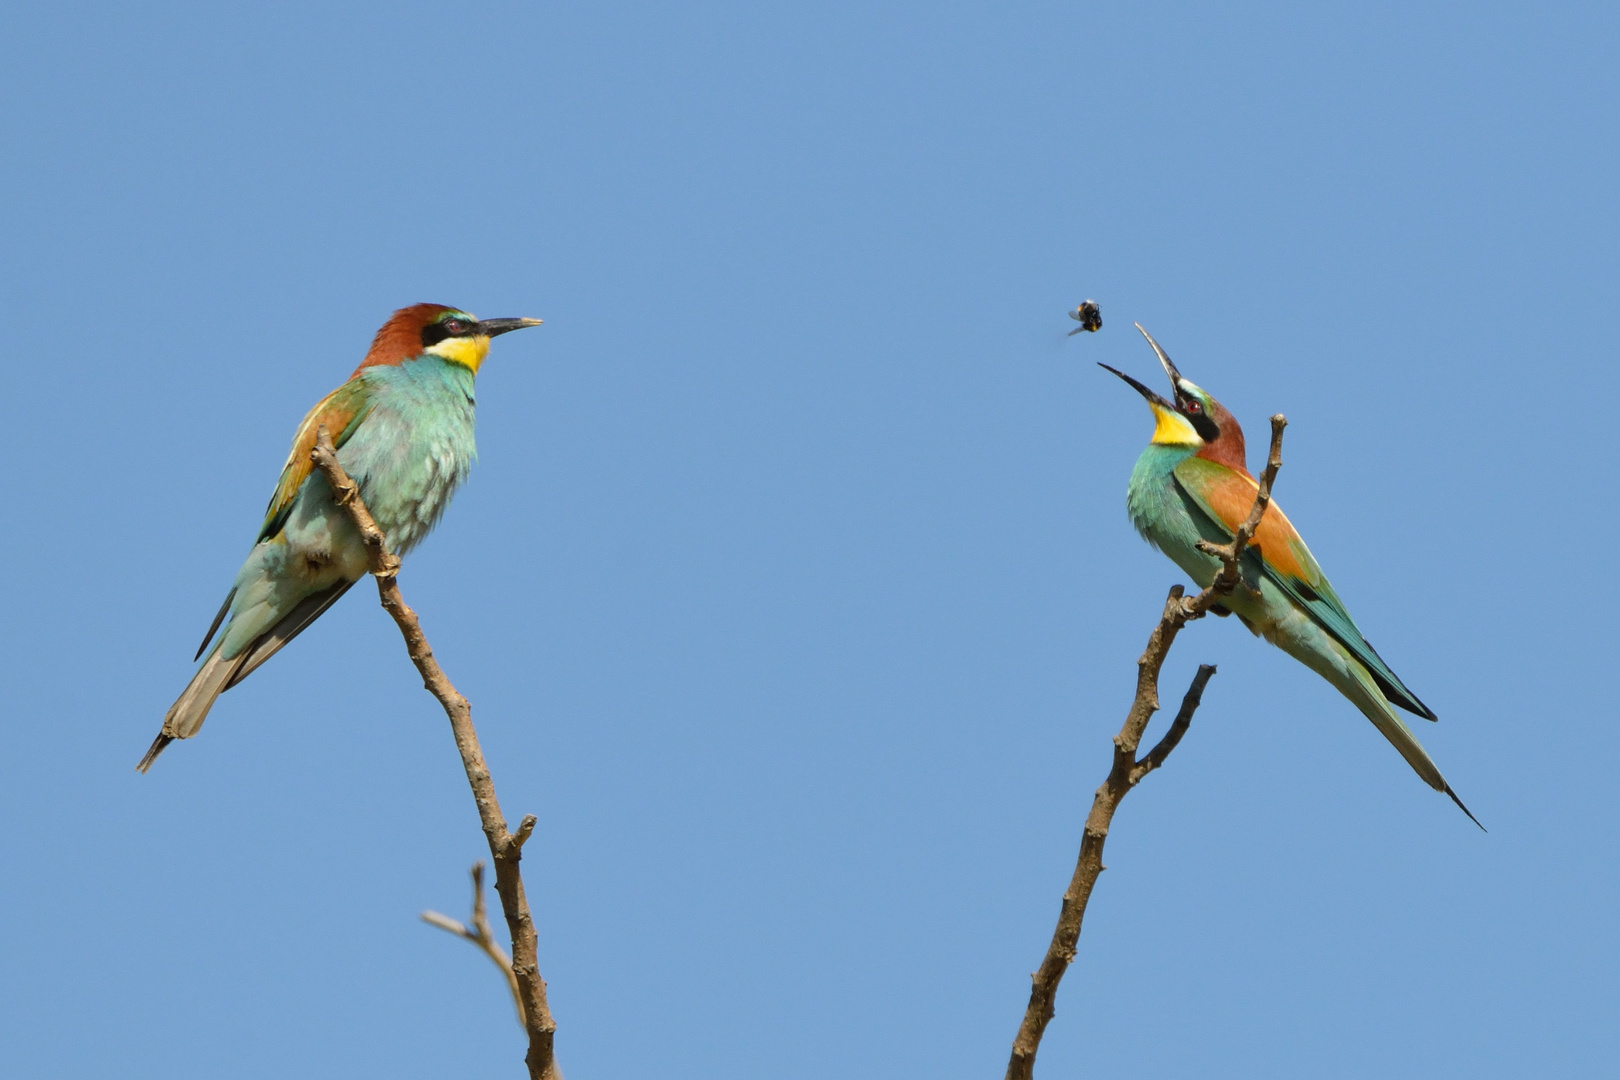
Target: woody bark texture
x: 1128, y: 770
x: 505, y: 847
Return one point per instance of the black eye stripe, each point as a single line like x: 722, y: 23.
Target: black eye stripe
x: 433, y: 333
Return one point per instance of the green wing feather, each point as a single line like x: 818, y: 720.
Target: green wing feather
x: 341, y: 413
x: 1222, y: 498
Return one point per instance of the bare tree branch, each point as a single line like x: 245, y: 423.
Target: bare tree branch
x: 1172, y: 738
x: 479, y: 934
x: 1127, y: 770
x: 505, y: 848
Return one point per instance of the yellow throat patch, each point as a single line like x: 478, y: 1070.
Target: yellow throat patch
x: 1170, y: 428
x: 469, y: 352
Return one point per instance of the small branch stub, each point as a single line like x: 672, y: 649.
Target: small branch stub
x: 525, y: 829
x: 1128, y: 770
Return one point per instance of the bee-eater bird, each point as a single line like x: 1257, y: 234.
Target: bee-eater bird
x: 1192, y: 483
x: 403, y: 429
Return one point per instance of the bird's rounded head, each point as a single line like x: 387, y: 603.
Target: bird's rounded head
x: 437, y: 330
x: 1193, y: 417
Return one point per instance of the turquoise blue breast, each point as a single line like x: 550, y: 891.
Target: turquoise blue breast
x: 415, y: 446
x: 1161, y: 514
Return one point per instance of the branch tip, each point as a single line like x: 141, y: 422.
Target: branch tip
x: 525, y: 829
x: 445, y: 922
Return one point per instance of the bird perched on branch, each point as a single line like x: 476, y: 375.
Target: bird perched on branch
x: 1192, y: 483
x: 403, y: 429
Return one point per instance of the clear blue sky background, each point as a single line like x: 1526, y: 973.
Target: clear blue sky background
x: 793, y: 589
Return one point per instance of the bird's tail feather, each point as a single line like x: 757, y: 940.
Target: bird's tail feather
x: 1464, y: 809
x: 152, y: 752
x: 187, y: 714
x: 291, y: 625
x: 1363, y: 689
x: 219, y: 674
x: 1371, y: 701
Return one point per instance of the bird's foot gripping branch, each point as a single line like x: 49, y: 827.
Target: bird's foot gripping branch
x: 505, y: 847
x: 1129, y: 769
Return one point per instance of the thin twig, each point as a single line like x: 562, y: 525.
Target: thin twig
x: 480, y: 935
x: 1127, y: 770
x: 504, y: 847
x: 1231, y: 554
x: 1172, y: 738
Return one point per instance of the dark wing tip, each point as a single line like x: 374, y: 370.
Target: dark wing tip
x: 1407, y: 700
x: 219, y: 618
x: 1395, y: 690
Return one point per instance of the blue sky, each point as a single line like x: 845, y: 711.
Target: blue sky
x: 793, y: 588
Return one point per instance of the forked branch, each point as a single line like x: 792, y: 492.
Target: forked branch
x: 480, y: 935
x: 1128, y: 770
x: 505, y: 847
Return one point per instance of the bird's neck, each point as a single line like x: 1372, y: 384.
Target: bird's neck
x: 427, y: 374
x: 1158, y: 461
x: 1228, y: 448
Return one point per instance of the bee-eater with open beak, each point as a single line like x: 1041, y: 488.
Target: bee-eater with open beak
x: 403, y: 429
x: 1193, y: 483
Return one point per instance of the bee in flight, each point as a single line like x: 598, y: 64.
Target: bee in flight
x: 1088, y: 315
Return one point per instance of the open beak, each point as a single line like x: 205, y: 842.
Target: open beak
x: 1153, y: 399
x: 1164, y: 358
x: 497, y: 327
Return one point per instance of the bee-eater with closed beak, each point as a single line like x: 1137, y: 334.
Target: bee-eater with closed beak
x: 403, y: 429
x: 1192, y: 483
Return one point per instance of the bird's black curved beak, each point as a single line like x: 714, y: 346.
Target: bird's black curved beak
x: 1164, y: 358
x: 1153, y: 399
x: 497, y: 327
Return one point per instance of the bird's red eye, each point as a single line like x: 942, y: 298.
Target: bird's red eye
x: 455, y: 326
x: 1194, y: 408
